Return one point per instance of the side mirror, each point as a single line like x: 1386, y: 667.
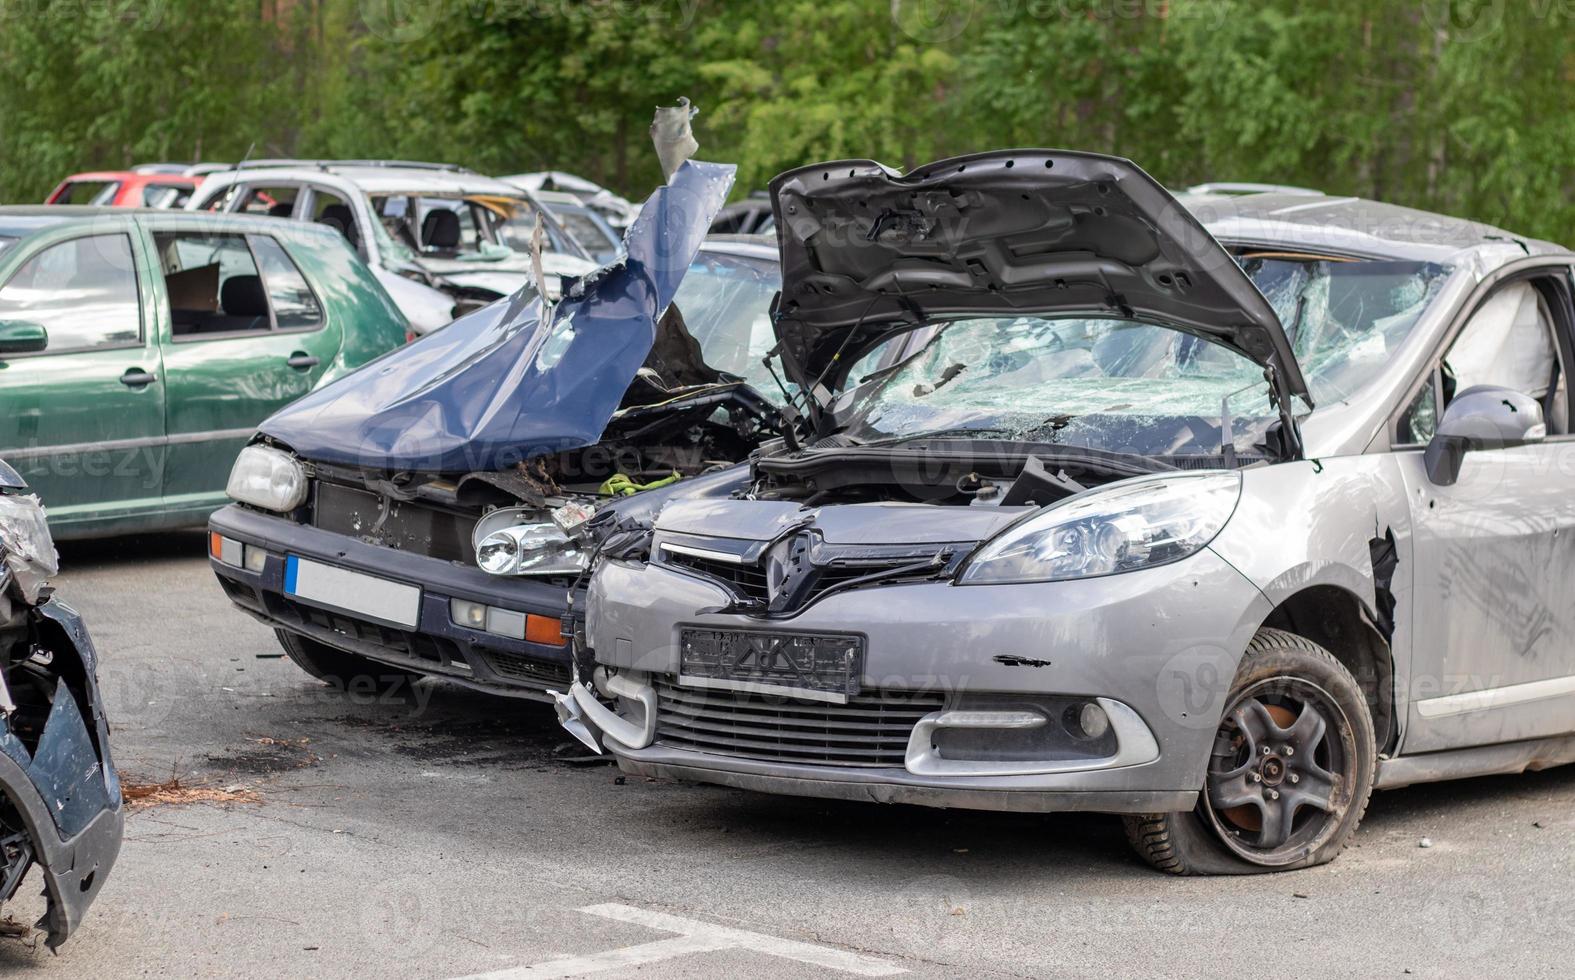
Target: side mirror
x: 1482, y: 417
x: 22, y: 337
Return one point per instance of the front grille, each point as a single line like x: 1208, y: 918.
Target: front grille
x: 410, y: 525
x: 871, y: 730
x: 749, y: 581
x: 529, y: 669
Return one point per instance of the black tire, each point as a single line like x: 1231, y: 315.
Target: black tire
x: 1285, y: 687
x: 344, y: 671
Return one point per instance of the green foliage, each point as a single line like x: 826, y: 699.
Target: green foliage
x: 1462, y: 106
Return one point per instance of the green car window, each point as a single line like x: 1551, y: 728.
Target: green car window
x: 294, y: 305
x: 82, y: 291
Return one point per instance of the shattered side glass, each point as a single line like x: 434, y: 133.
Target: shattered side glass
x: 1345, y: 320
x: 1123, y: 386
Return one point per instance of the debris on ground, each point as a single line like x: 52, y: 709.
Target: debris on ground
x: 12, y: 929
x: 1425, y: 842
x: 171, y: 792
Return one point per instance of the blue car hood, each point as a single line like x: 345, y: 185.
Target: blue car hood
x: 511, y: 381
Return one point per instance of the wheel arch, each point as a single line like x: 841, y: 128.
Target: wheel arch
x: 1339, y: 620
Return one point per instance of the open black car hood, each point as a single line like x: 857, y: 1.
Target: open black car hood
x: 868, y: 252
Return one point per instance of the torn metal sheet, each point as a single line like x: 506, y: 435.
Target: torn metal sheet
x: 513, y: 381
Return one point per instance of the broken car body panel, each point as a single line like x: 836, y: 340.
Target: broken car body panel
x: 514, y: 381
x: 60, y: 800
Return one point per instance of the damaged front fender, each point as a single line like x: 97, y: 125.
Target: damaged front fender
x: 60, y: 800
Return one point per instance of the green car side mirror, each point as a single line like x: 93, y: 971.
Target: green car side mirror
x: 22, y: 337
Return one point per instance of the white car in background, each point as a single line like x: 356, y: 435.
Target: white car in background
x: 441, y: 239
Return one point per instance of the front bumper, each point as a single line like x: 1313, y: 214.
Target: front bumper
x: 437, y: 645
x: 1160, y: 647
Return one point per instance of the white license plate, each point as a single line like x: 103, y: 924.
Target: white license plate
x: 352, y: 592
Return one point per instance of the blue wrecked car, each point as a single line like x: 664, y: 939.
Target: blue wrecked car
x: 419, y: 517
x: 60, y: 801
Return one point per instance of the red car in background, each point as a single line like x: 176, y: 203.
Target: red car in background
x: 125, y: 189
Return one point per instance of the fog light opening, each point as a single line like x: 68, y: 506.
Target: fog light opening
x: 466, y: 613
x: 1092, y: 721
x: 254, y: 558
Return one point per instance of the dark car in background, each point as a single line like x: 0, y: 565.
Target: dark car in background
x: 60, y: 805
x: 139, y: 350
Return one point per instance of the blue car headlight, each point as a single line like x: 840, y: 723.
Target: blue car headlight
x: 1135, y: 524
x: 268, y: 478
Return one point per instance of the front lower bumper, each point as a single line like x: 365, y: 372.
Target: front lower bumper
x: 1158, y: 647
x: 437, y: 645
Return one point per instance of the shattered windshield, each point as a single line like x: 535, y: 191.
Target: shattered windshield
x: 1123, y: 386
x: 725, y: 301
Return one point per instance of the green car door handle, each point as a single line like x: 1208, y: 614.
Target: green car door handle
x: 302, y: 361
x: 138, y: 378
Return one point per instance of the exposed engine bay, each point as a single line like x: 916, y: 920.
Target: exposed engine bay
x: 954, y: 474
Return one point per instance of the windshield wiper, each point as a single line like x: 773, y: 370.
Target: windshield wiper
x: 956, y: 430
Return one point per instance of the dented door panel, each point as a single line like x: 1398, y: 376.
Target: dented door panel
x: 1495, y: 554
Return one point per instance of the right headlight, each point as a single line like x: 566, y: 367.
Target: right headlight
x: 1135, y: 525
x: 268, y: 478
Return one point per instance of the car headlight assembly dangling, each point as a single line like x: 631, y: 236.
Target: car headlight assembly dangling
x: 516, y: 541
x: 1139, y: 524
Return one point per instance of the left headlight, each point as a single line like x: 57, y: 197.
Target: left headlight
x: 1136, y: 525
x: 268, y: 478
x: 518, y: 542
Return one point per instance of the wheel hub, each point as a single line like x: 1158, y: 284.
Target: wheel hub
x: 1268, y: 789
x: 1272, y: 769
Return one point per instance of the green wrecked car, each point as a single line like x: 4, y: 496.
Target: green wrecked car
x: 139, y: 350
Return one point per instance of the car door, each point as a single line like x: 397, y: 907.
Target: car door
x: 1494, y: 631
x: 248, y: 335
x: 83, y: 419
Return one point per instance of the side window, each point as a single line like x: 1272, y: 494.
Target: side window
x: 82, y: 292
x: 294, y: 305
x: 213, y: 283
x: 334, y: 211
x: 165, y: 195
x: 1510, y: 341
x: 1420, y: 420
x: 276, y: 202
x: 89, y: 192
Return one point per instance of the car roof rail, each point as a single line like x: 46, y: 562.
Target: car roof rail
x: 330, y: 164
x: 1244, y: 187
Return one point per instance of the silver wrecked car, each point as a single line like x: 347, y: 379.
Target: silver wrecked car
x: 1216, y: 514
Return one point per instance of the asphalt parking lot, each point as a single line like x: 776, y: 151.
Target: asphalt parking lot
x: 452, y: 834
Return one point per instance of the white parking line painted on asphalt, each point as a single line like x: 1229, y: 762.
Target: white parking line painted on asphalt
x: 693, y: 936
